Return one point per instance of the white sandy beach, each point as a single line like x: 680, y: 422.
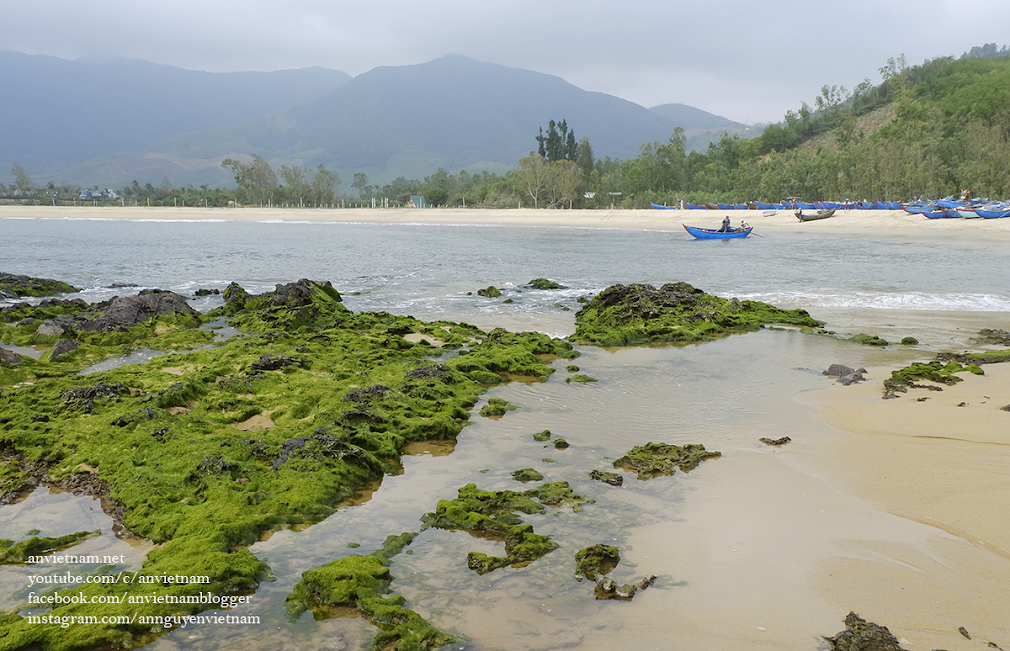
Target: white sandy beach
x: 878, y: 223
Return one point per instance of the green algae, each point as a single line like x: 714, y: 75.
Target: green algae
x: 13, y: 286
x: 201, y: 452
x: 545, y: 435
x: 595, y: 559
x: 656, y: 459
x: 503, y: 356
x: 16, y: 553
x: 543, y: 283
x: 581, y: 378
x: 489, y: 292
x: 492, y: 514
x: 869, y: 340
x: 572, y: 368
x: 909, y: 341
x: 612, y: 478
x: 496, y: 407
x: 676, y: 312
x: 360, y: 582
x: 526, y: 475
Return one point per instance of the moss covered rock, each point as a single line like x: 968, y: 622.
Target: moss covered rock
x: 595, y: 559
x: 15, y: 286
x: 543, y: 283
x: 869, y: 340
x: 655, y: 459
x: 631, y: 314
x: 861, y: 635
x: 201, y: 452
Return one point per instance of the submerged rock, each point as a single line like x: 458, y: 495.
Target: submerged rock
x: 489, y: 292
x: 595, y: 559
x: 656, y: 459
x: 543, y: 283
x: 612, y: 478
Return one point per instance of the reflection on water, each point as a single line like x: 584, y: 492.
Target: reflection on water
x: 55, y: 513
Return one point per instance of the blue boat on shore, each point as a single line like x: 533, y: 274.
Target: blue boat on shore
x: 716, y: 234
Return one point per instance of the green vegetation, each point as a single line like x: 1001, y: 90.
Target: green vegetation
x: 543, y: 283
x: 360, y: 582
x: 526, y: 475
x: 623, y: 315
x: 595, y: 559
x: 492, y: 514
x: 496, y: 407
x: 12, y: 553
x: 580, y: 378
x: 15, y: 286
x: 860, y: 634
x: 655, y: 459
x: 202, y: 452
x: 869, y: 340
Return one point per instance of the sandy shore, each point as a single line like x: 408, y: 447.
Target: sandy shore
x: 851, y: 222
x: 944, y: 462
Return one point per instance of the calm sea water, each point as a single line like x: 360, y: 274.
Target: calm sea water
x: 725, y: 394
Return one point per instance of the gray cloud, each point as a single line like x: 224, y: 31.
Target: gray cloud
x: 747, y: 61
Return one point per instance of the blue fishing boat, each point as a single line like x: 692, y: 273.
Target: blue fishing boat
x: 934, y: 214
x: 715, y: 234
x: 656, y: 205
x: 691, y: 206
x: 764, y: 206
x: 989, y: 213
x: 725, y: 206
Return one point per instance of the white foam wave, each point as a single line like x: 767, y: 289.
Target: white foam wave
x: 963, y: 301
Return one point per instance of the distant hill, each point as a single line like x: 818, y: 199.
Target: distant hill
x: 453, y: 112
x: 60, y: 113
x: 689, y: 117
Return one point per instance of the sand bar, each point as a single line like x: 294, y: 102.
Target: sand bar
x: 876, y: 223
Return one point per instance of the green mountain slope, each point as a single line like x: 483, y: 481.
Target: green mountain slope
x: 60, y: 113
x: 453, y: 112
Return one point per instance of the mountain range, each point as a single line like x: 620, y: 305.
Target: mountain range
x: 110, y: 122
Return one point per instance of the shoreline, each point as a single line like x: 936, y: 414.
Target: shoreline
x: 877, y: 223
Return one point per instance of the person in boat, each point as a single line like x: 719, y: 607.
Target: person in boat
x: 799, y: 213
x: 727, y: 225
x: 743, y: 225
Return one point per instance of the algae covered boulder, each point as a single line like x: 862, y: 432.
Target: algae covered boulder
x: 631, y: 314
x: 656, y: 459
x: 16, y: 286
x: 595, y: 559
x: 543, y: 283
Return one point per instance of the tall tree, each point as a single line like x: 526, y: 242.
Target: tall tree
x: 256, y: 180
x: 22, y: 183
x: 360, y: 183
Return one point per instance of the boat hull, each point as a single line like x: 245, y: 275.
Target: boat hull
x: 714, y: 234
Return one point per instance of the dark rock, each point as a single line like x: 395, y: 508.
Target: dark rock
x: 489, y: 292
x: 839, y: 370
x: 268, y: 362
x: 849, y: 378
x: 963, y: 631
x: 543, y: 283
x: 612, y: 478
x: 776, y: 442
x: 207, y: 292
x: 124, y: 312
x: 50, y: 329
x: 9, y: 356
x: 15, y: 286
x: 992, y: 336
x: 62, y: 347
x: 861, y: 635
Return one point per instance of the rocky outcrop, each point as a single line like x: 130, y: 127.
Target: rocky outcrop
x: 123, y: 312
x: 16, y: 286
x: 9, y: 356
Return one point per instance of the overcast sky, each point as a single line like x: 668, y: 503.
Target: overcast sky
x: 745, y: 60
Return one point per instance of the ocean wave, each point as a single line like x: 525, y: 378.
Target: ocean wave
x: 962, y: 301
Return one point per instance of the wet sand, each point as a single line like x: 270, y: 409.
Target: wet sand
x: 876, y: 223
